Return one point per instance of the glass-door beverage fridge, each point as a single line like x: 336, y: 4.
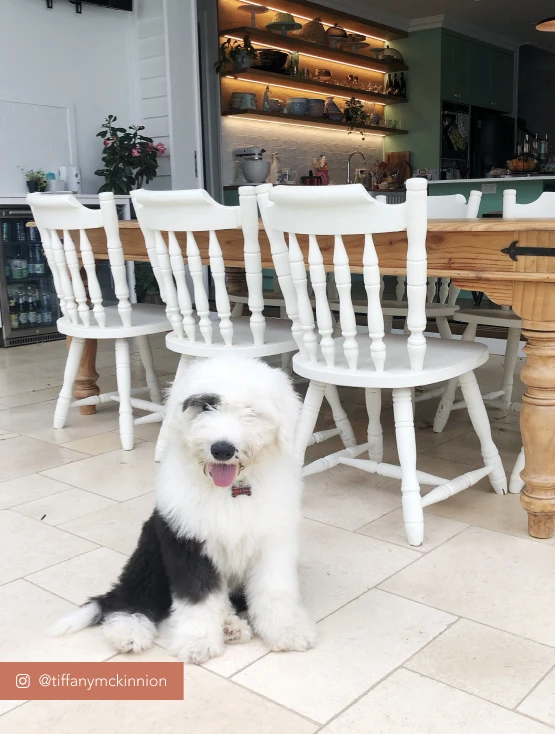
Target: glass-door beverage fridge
x: 28, y: 301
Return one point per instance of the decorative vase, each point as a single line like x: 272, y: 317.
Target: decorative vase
x: 242, y: 62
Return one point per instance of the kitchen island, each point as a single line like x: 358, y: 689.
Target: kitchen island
x: 528, y: 188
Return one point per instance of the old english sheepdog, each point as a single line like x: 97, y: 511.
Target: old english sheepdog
x: 224, y: 535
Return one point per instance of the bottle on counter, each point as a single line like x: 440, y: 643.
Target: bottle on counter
x: 389, y: 85
x: 275, y: 170
x: 396, y: 86
x: 45, y: 309
x: 526, y: 147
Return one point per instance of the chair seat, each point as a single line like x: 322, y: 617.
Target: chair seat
x: 444, y: 360
x: 277, y: 340
x: 489, y: 317
x: 147, y: 319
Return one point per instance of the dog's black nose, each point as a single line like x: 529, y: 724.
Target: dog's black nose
x: 222, y: 450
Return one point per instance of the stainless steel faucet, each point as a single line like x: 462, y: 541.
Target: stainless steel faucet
x: 355, y: 152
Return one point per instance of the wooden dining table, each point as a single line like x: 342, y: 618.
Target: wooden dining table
x: 512, y: 261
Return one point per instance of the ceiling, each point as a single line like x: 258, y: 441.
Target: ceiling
x: 514, y: 19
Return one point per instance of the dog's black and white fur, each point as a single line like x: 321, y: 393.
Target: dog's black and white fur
x: 208, y: 549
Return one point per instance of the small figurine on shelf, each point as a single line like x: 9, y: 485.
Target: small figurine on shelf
x: 266, y: 107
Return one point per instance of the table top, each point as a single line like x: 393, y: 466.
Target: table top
x: 456, y: 225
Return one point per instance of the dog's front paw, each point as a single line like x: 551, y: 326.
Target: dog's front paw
x: 196, y: 650
x: 295, y: 632
x: 129, y: 632
x: 236, y: 630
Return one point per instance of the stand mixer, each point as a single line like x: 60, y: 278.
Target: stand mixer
x: 249, y: 166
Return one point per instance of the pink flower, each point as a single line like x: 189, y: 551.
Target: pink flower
x: 107, y: 141
x: 135, y: 152
x: 160, y: 149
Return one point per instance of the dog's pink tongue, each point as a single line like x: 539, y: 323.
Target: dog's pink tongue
x: 223, y: 474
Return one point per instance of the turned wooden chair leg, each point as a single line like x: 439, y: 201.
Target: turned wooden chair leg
x: 515, y: 482
x: 448, y: 398
x: 309, y: 415
x: 340, y: 417
x: 123, y: 374
x: 413, y: 513
x: 145, y: 353
x: 509, y: 365
x: 375, y: 432
x: 480, y: 422
x: 70, y: 373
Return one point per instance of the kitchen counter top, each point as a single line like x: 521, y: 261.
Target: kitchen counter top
x: 493, y: 179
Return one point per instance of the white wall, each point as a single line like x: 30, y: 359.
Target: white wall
x: 59, y: 57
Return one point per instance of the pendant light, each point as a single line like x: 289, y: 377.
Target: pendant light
x: 547, y: 25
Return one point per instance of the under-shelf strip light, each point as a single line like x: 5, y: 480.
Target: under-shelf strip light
x: 312, y: 56
x: 304, y: 17
x: 244, y: 116
x: 296, y: 89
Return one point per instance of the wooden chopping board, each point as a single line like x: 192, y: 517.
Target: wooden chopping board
x: 396, y: 161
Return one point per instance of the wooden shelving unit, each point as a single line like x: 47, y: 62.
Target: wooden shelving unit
x: 305, y: 120
x: 305, y: 9
x: 268, y: 39
x: 312, y: 86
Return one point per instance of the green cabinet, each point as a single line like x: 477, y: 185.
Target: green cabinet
x: 475, y: 74
x: 455, y: 85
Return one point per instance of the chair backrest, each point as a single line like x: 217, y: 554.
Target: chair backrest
x: 454, y: 206
x: 542, y: 208
x: 196, y: 211
x: 341, y: 211
x: 55, y: 213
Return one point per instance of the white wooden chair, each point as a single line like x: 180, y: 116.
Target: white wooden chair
x: 371, y: 360
x: 55, y: 214
x: 198, y: 332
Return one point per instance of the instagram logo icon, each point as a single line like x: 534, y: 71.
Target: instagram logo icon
x: 23, y: 680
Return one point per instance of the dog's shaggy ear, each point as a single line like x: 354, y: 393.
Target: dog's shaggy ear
x: 286, y: 409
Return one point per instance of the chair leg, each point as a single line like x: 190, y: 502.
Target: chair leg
x: 145, y: 353
x: 123, y: 374
x: 480, y: 422
x: 448, y: 398
x: 237, y: 310
x: 413, y: 513
x: 388, y: 324
x: 375, y: 432
x: 70, y: 373
x: 509, y: 366
x: 309, y: 415
x: 162, y: 441
x: 443, y: 327
x: 515, y: 482
x: 340, y: 417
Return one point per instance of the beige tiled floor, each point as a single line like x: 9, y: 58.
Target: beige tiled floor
x: 455, y: 637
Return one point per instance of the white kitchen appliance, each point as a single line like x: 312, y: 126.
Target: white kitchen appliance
x: 72, y: 176
x: 242, y: 157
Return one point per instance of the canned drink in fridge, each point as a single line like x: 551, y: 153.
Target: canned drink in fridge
x: 6, y: 231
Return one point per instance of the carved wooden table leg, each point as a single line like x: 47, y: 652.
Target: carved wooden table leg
x: 85, y: 383
x: 537, y: 421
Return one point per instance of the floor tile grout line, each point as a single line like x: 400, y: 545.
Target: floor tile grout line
x: 541, y: 680
x: 22, y: 703
x: 486, y: 700
x: 462, y: 616
x: 388, y: 675
x: 55, y: 494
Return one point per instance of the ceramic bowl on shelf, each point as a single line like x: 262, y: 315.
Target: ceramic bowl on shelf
x: 296, y: 106
x: 276, y: 105
x: 256, y: 171
x: 316, y: 107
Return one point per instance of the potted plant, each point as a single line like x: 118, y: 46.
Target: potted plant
x: 36, y: 180
x: 356, y: 116
x: 130, y: 159
x: 240, y: 54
